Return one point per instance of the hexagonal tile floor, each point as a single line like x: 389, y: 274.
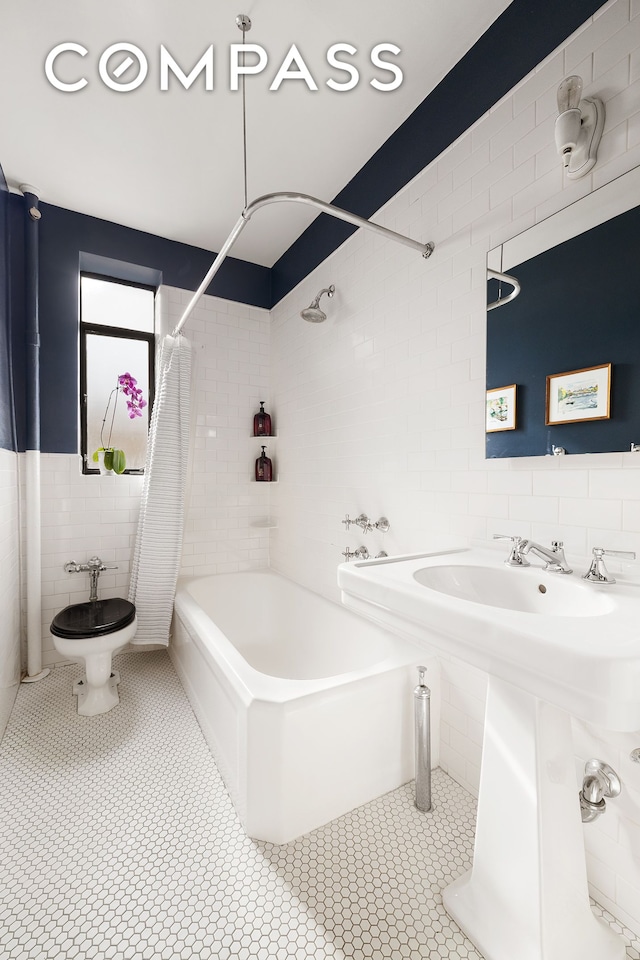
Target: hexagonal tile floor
x: 119, y: 840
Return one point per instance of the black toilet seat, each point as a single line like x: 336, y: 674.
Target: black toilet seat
x: 93, y: 619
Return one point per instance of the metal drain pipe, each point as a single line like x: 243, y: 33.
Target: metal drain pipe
x: 422, y: 717
x: 600, y: 782
x: 32, y: 453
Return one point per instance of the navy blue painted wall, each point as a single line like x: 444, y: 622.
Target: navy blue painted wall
x: 7, y: 440
x: 526, y: 32
x: 578, y: 308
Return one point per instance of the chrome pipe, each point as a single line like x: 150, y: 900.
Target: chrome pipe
x: 426, y: 249
x: 422, y: 718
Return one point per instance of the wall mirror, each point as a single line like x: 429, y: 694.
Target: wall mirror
x: 563, y: 356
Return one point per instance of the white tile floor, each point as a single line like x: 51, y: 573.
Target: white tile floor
x: 118, y: 840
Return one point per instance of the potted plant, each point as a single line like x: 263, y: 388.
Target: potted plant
x: 110, y: 459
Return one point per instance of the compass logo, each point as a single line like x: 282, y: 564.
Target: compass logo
x: 124, y: 67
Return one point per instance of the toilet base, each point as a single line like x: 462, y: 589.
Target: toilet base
x: 95, y: 700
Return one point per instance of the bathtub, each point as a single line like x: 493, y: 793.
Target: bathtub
x: 306, y: 707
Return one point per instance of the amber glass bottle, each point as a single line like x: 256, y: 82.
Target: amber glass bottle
x: 262, y: 423
x: 264, y: 467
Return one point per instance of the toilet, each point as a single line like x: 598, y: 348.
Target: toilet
x: 91, y: 633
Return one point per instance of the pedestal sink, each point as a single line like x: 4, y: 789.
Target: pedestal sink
x: 553, y: 646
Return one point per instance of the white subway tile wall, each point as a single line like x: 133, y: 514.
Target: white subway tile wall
x: 9, y: 584
x: 381, y: 408
x: 227, y: 510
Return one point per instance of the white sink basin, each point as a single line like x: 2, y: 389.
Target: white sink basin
x: 558, y: 595
x: 553, y: 645
x: 572, y: 643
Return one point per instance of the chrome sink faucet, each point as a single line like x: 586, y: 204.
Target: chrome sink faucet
x: 554, y: 558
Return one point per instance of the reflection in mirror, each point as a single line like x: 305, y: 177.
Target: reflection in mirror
x: 570, y: 340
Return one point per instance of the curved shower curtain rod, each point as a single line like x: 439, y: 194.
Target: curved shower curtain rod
x: 426, y: 249
x: 503, y: 278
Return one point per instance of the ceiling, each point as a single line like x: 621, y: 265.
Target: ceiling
x: 170, y: 162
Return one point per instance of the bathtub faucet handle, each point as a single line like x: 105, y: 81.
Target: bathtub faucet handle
x: 347, y: 521
x: 361, y: 553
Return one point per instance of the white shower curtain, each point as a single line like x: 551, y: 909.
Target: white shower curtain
x: 158, y: 547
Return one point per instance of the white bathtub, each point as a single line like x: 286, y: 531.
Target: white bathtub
x: 307, y: 707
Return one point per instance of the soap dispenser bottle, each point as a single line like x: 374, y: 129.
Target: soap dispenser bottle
x: 264, y: 467
x: 262, y: 423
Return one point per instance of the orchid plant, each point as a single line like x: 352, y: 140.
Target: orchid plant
x: 115, y: 459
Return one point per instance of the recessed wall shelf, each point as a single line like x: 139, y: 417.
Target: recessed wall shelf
x: 266, y: 523
x: 264, y: 467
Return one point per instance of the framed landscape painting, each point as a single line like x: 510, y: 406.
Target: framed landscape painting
x: 579, y: 395
x: 501, y: 409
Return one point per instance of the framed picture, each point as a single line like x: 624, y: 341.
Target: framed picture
x: 579, y: 395
x: 501, y: 409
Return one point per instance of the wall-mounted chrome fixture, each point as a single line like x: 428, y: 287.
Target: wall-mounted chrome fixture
x: 94, y: 566
x: 313, y: 313
x: 635, y: 755
x: 578, y: 128
x: 558, y: 451
x: 635, y: 448
x: 367, y: 525
x: 597, y: 572
x: 361, y: 553
x: 600, y: 782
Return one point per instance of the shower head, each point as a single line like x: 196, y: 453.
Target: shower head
x: 313, y: 313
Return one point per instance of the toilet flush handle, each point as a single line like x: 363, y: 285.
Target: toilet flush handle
x: 95, y: 563
x: 93, y: 566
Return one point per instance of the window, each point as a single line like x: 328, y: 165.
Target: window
x: 116, y: 337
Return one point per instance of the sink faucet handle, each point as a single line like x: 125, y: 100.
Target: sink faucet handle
x: 515, y: 558
x: 597, y: 572
x: 558, y: 547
